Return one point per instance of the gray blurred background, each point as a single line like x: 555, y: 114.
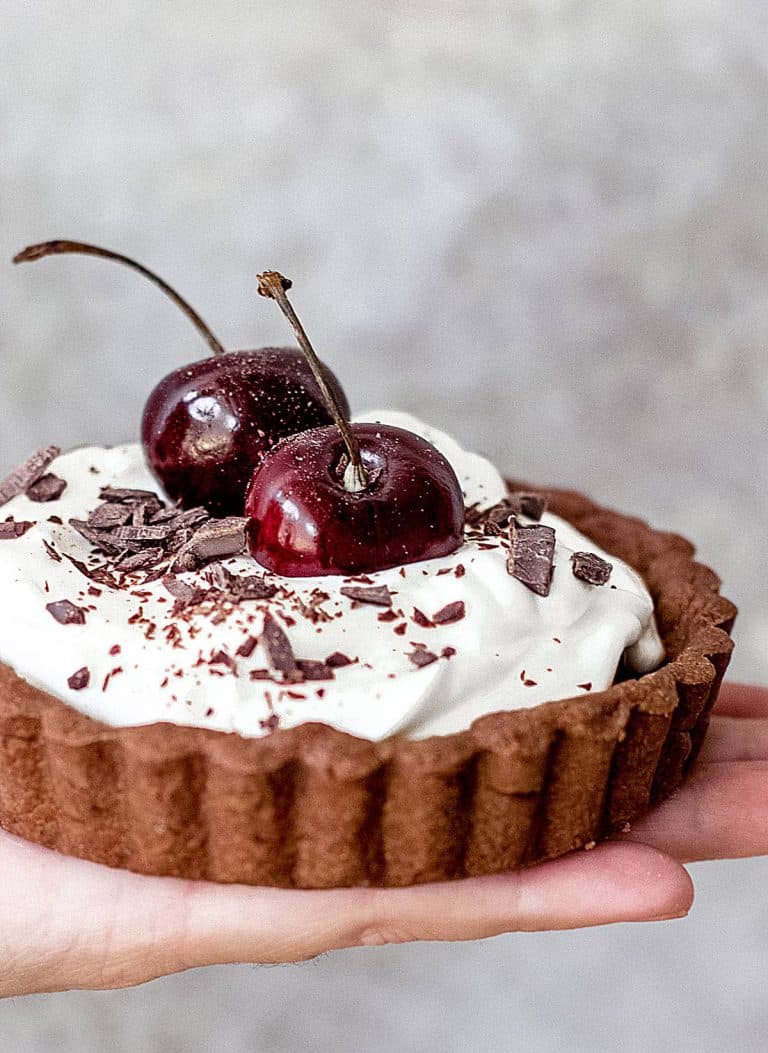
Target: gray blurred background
x: 541, y: 226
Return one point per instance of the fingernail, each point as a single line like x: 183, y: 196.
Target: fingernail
x: 669, y: 917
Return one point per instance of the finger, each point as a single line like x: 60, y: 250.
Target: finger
x: 609, y: 884
x: 735, y: 739
x: 721, y: 812
x: 81, y: 925
x: 742, y: 700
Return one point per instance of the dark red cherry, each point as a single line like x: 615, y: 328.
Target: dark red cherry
x: 302, y: 521
x: 206, y: 426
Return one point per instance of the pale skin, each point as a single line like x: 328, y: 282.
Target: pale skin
x: 69, y: 924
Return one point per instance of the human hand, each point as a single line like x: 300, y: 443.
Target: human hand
x: 65, y: 923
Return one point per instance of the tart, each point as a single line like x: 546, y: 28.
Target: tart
x: 304, y: 756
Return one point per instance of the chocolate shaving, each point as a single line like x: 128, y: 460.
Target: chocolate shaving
x: 79, y: 680
x: 591, y: 568
x: 21, y: 478
x: 165, y: 515
x: 47, y: 488
x: 421, y: 619
x: 494, y: 520
x: 66, y: 613
x: 148, y: 557
x: 533, y: 506
x: 215, y: 539
x: 141, y: 533
x: 51, y: 551
x: 279, y: 650
x: 247, y: 647
x: 452, y: 612
x: 191, y: 518
x: 184, y: 594
x: 107, y: 516
x: 125, y: 496
x: 530, y: 560
x: 337, y: 660
x: 100, y: 539
x: 421, y: 657
x: 312, y: 670
x: 14, y: 528
x: 379, y: 595
x: 222, y: 658
x: 98, y: 574
x: 272, y: 723
x: 251, y: 587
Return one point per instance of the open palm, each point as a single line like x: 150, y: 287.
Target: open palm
x: 66, y: 923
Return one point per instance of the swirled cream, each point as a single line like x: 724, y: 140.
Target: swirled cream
x: 207, y: 665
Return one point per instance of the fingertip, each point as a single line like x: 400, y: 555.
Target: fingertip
x: 614, y: 882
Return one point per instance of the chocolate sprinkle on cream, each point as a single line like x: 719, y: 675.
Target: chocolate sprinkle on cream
x: 106, y: 517
x: 589, y: 567
x: 279, y: 650
x: 79, y: 680
x: 312, y: 670
x: 337, y: 660
x: 98, y: 574
x: 13, y: 529
x: 51, y: 551
x: 251, y: 587
x: 100, y: 539
x: 421, y: 619
x: 247, y: 647
x: 421, y: 657
x: 533, y: 506
x: 21, y: 478
x: 379, y: 595
x: 48, y: 487
x: 215, y: 539
x: 452, y: 612
x: 148, y: 557
x: 129, y: 497
x: 66, y: 613
x: 531, y: 556
x: 142, y: 533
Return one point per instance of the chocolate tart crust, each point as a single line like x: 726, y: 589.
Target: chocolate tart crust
x: 312, y: 807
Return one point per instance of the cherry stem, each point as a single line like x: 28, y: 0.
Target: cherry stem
x: 274, y: 286
x: 60, y: 247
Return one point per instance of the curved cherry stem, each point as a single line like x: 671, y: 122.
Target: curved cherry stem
x: 274, y: 286
x: 62, y: 247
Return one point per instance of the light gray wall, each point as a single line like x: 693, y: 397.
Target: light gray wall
x: 541, y: 225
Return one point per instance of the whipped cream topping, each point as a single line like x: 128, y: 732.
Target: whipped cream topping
x: 512, y: 649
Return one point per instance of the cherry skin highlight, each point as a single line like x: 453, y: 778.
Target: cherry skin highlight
x: 206, y: 426
x: 302, y: 521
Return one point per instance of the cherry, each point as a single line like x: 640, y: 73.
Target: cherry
x: 302, y: 521
x: 207, y: 425
x: 351, y: 498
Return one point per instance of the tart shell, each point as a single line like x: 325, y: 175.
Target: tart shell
x: 312, y: 807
